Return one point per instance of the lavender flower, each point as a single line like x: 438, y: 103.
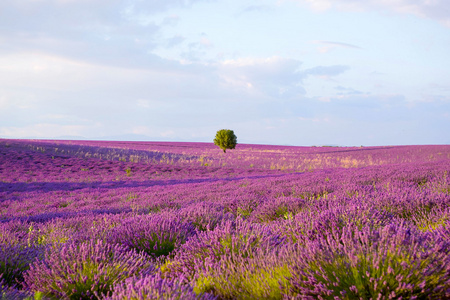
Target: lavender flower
x: 396, y: 260
x: 205, y: 215
x: 262, y: 222
x: 207, y: 248
x: 157, y: 235
x: 11, y: 293
x: 261, y: 276
x: 155, y: 287
x: 76, y: 271
x: 15, y: 260
x: 281, y: 207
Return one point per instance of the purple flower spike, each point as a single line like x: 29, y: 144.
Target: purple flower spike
x: 11, y: 293
x: 278, y: 208
x: 373, y: 263
x: 155, y: 287
x: 76, y: 271
x: 205, y: 215
x: 15, y: 260
x: 157, y: 235
x: 204, y: 250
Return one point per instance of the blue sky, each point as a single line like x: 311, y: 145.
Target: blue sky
x: 292, y: 72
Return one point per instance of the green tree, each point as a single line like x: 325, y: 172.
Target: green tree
x: 225, y: 139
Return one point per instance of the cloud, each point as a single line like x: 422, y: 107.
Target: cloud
x: 109, y: 32
x: 91, y: 68
x: 272, y: 77
x: 205, y: 42
x: 383, y: 119
x: 326, y: 71
x: 440, y: 87
x: 256, y: 8
x: 267, y: 77
x: 36, y: 82
x: 328, y: 46
x: 151, y: 132
x: 197, y: 50
x: 38, y: 88
x: 171, y: 20
x: 43, y: 130
x: 438, y: 10
x: 143, y: 103
x: 175, y: 41
x: 347, y: 91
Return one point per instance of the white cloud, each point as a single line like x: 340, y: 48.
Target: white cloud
x: 328, y: 46
x: 171, y: 20
x: 326, y: 71
x: 347, y: 91
x: 267, y: 77
x: 66, y: 64
x: 40, y: 70
x: 273, y: 77
x: 174, y: 41
x: 314, y: 120
x: 109, y: 32
x: 433, y: 9
x: 256, y: 8
x: 43, y: 130
x: 205, y: 42
x: 167, y: 133
x: 143, y: 103
x: 4, y: 103
x: 142, y: 130
x: 319, y: 5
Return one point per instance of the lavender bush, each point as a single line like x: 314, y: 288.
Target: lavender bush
x: 93, y: 219
x: 205, y: 215
x: 8, y: 292
x: 157, y: 235
x: 84, y: 270
x: 15, y: 260
x: 278, y: 208
x: 396, y: 261
x: 261, y: 276
x: 232, y: 239
x: 155, y: 287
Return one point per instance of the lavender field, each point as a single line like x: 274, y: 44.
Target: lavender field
x: 161, y: 220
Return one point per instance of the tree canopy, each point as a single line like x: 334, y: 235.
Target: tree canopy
x: 225, y: 139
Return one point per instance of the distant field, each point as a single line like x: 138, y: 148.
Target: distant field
x: 163, y: 220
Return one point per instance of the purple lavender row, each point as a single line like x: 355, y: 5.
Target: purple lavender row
x: 243, y: 157
x: 399, y: 188
x: 375, y: 232
x: 23, y: 165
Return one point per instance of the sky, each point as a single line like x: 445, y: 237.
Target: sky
x: 281, y: 72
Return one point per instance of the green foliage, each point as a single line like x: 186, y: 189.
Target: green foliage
x: 241, y: 278
x: 244, y: 212
x: 288, y: 216
x: 128, y: 170
x: 156, y: 245
x: 225, y: 139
